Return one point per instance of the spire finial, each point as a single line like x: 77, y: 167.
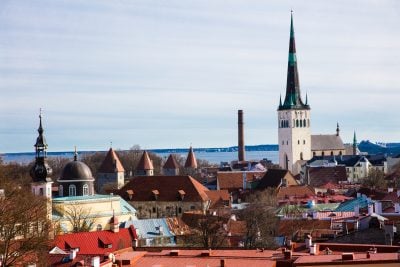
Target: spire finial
x: 110, y: 144
x: 75, y: 154
x: 306, y: 99
x: 337, y: 129
x: 280, y: 100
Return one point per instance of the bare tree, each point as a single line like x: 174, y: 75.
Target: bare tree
x: 207, y: 231
x: 81, y: 219
x: 261, y: 220
x: 375, y: 179
x: 24, y: 225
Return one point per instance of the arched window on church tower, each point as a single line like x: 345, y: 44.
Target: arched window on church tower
x: 304, y: 123
x: 297, y: 123
x: 301, y: 123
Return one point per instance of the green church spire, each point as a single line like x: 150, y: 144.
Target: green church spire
x: 293, y: 96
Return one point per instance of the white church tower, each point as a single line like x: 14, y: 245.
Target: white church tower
x: 294, y: 133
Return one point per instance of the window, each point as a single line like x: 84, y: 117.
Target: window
x: 297, y: 123
x: 331, y: 153
x: 340, y: 153
x: 72, y: 190
x: 314, y: 154
x: 323, y: 153
x: 180, y: 210
x: 154, y: 209
x: 192, y: 207
x: 61, y: 191
x: 298, y: 142
x: 301, y: 123
x: 301, y: 155
x: 287, y: 142
x: 41, y: 192
x: 304, y: 123
x: 85, y: 190
x: 304, y: 142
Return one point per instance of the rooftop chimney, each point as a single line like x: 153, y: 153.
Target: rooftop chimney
x: 240, y: 136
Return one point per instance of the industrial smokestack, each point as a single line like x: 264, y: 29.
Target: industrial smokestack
x: 240, y: 135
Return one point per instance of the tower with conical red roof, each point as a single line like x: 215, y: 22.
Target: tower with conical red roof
x: 145, y: 166
x: 294, y: 135
x: 171, y: 167
x: 111, y: 174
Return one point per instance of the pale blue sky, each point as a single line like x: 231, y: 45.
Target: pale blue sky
x: 170, y: 73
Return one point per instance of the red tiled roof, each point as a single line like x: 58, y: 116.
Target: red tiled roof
x: 145, y: 163
x: 111, y: 163
x: 295, y: 191
x: 191, y: 161
x: 359, y: 258
x: 319, y: 176
x: 392, y: 196
x: 217, y: 197
x: 232, y: 258
x: 171, y: 163
x: 167, y: 186
x: 234, y: 180
x: 94, y: 242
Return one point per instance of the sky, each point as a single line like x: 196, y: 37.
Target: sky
x: 166, y: 74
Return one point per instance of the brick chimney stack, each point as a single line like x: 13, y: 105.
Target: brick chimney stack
x: 241, y: 150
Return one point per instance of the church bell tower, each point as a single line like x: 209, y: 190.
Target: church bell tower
x: 294, y: 135
x: 40, y: 172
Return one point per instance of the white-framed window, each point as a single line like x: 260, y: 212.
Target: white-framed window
x: 85, y: 190
x: 61, y: 191
x: 72, y: 190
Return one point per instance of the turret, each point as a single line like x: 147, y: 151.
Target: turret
x: 145, y: 166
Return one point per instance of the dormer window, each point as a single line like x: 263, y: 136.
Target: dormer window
x: 181, y: 194
x: 155, y: 194
x: 129, y: 193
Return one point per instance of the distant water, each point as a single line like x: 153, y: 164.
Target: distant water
x: 212, y: 157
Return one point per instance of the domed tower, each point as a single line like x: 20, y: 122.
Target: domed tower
x: 40, y: 171
x: 76, y: 179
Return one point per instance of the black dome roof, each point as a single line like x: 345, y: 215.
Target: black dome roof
x: 77, y: 171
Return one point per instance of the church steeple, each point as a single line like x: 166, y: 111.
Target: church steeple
x: 293, y: 96
x: 354, y: 144
x: 40, y: 169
